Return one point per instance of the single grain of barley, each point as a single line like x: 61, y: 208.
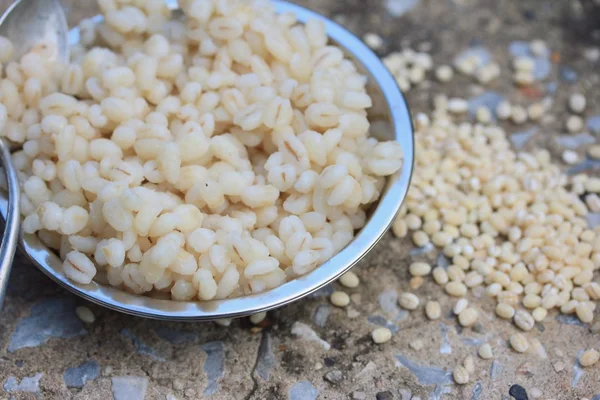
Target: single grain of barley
x: 381, y: 335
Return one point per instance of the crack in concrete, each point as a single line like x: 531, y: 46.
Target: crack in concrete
x: 265, y: 360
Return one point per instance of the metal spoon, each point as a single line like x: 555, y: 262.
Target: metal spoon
x: 32, y: 23
x: 28, y: 24
x: 11, y: 228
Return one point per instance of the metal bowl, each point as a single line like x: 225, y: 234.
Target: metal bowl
x: 390, y: 118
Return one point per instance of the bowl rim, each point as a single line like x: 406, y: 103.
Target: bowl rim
x: 383, y: 216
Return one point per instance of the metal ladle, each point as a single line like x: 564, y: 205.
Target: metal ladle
x: 27, y: 23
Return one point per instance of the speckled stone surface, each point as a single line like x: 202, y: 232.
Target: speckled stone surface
x: 47, y: 353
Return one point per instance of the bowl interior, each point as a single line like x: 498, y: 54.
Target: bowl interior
x: 390, y: 119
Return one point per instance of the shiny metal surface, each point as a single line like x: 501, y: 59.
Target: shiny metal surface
x: 11, y: 229
x: 390, y: 118
x: 29, y: 23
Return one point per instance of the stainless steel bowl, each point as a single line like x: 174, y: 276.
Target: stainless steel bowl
x: 390, y: 118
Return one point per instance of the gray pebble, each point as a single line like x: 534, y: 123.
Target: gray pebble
x: 520, y: 139
x: 473, y: 341
x: 478, y: 328
x: 388, y: 300
x: 359, y: 396
x: 477, y: 389
x: 397, y: 8
x: 542, y: 67
x: 334, y: 376
x: 417, y: 251
x: 325, y: 291
x: 568, y: 74
x: 443, y: 261
x: 29, y: 384
x: 175, y: 336
x: 387, y: 395
x: 303, y: 391
x: 445, y: 347
x: 593, y: 124
x: 140, y: 346
x: 321, y: 314
x: 305, y: 332
x: 584, y: 166
x: 129, y: 387
x: 495, y: 370
x: 51, y: 317
x: 575, y: 141
x: 484, y: 56
x: 379, y: 320
x: 424, y: 374
x: 76, y: 377
x: 570, y: 319
x: 488, y: 99
x: 593, y: 220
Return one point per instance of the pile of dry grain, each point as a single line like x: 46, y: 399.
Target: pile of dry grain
x: 507, y: 220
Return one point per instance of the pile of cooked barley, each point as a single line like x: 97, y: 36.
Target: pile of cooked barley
x: 211, y: 156
x: 510, y: 221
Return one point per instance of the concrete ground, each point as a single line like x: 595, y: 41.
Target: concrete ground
x: 46, y: 352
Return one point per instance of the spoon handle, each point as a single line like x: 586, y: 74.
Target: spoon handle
x: 11, y: 229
